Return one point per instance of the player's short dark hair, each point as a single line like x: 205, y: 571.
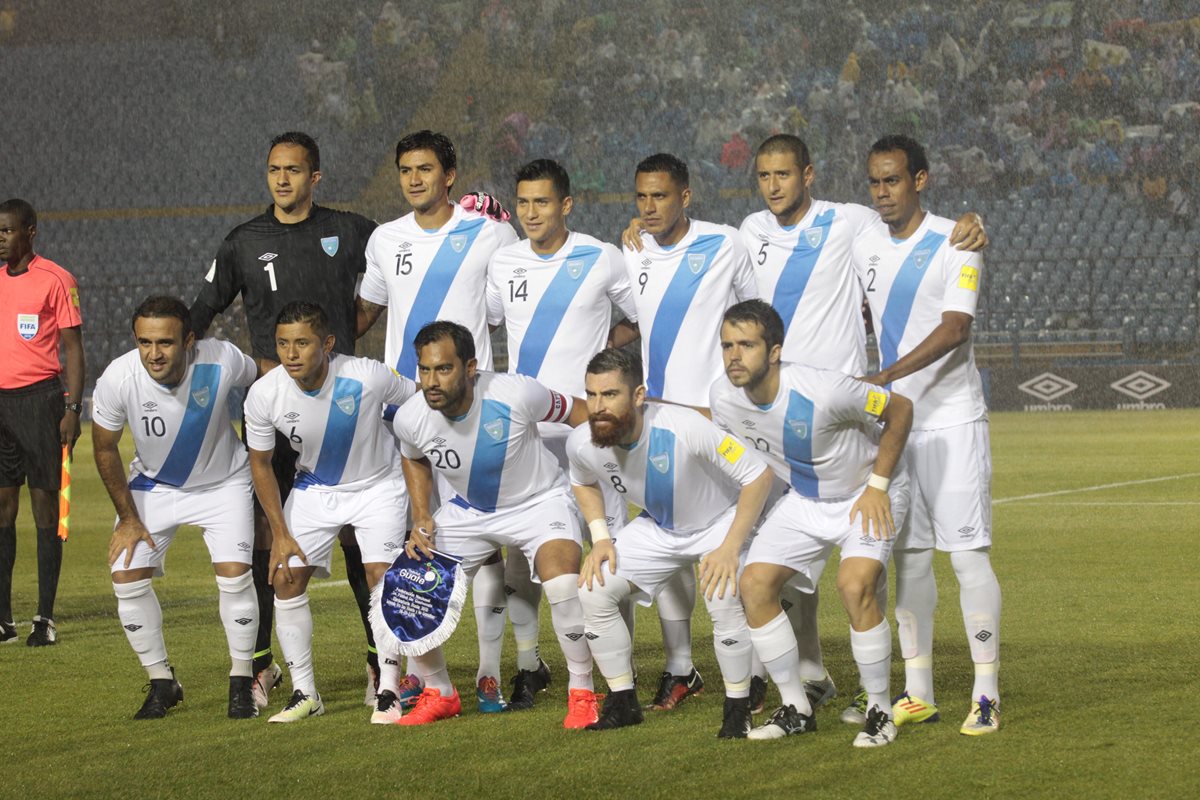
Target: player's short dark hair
x: 464, y: 342
x: 303, y: 311
x: 761, y: 312
x: 545, y: 169
x: 613, y: 359
x: 786, y: 143
x: 917, y: 160
x: 301, y: 139
x: 20, y: 209
x: 665, y: 162
x: 160, y: 306
x: 426, y: 139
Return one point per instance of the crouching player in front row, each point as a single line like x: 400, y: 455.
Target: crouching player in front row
x: 815, y: 428
x: 702, y: 492
x: 330, y: 408
x: 188, y: 469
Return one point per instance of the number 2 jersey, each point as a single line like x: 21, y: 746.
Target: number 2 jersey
x: 492, y: 456
x: 911, y: 283
x: 182, y: 434
x: 683, y: 470
x: 337, y: 430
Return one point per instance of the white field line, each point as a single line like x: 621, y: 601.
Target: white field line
x: 319, y: 584
x: 1116, y: 503
x: 1097, y: 488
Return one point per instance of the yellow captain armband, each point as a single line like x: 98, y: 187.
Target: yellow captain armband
x: 876, y: 402
x: 968, y: 278
x: 731, y: 449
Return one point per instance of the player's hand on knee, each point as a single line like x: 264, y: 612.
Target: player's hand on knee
x: 631, y: 237
x: 485, y: 205
x: 126, y: 536
x: 593, y: 566
x: 420, y: 539
x: 718, y: 572
x: 875, y: 508
x: 283, y: 548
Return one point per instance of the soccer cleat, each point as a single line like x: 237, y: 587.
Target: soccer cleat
x: 372, y: 686
x: 786, y: 721
x: 582, y: 709
x: 8, y: 633
x: 674, y: 689
x: 984, y: 717
x: 410, y: 690
x: 856, y: 712
x: 758, y: 694
x: 300, y: 708
x: 241, y: 697
x: 43, y: 633
x: 266, y: 680
x: 909, y: 710
x: 163, y: 695
x: 526, y: 684
x: 620, y: 709
x: 878, y: 730
x: 491, y: 700
x: 431, y: 707
x: 388, y: 709
x: 820, y: 692
x: 735, y: 723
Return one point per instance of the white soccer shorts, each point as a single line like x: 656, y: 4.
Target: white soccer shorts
x: 315, y: 515
x: 649, y: 555
x: 951, y: 471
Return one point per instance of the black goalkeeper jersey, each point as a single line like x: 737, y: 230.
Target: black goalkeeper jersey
x: 271, y: 264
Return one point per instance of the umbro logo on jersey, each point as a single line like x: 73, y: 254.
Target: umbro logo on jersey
x: 662, y: 463
x: 405, y: 246
x: 201, y: 396
x: 799, y: 427
x: 149, y: 405
x: 519, y: 271
x: 439, y: 440
x: 243, y: 620
x: 291, y: 416
x: 748, y: 423
x: 458, y: 241
x: 646, y: 262
x: 873, y: 260
x: 268, y: 257
x: 330, y: 245
x: 610, y: 466
x: 921, y: 258
x: 132, y: 627
x: 346, y: 404
x: 575, y: 268
x: 574, y: 637
x: 495, y: 429
x: 814, y: 236
x: 695, y: 262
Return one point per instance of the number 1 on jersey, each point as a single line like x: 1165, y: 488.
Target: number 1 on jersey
x: 270, y: 270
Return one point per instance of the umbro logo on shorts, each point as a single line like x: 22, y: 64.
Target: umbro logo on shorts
x: 133, y: 628
x: 729, y: 642
x: 558, y: 526
x: 866, y: 540
x: 390, y: 545
x: 244, y: 547
x: 966, y: 531
x: 499, y: 609
x: 243, y: 620
x: 785, y: 604
x: 574, y: 637
x: 509, y: 590
x: 983, y: 636
x: 591, y: 636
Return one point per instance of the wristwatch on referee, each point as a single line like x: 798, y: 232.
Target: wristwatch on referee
x: 76, y: 407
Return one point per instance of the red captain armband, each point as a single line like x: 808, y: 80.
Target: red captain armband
x: 560, y: 408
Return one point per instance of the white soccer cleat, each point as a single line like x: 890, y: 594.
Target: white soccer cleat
x: 387, y: 709
x: 878, y: 730
x: 266, y: 680
x: 300, y: 708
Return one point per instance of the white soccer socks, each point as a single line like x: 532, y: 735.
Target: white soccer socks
x: 238, y: 605
x: 606, y: 634
x: 775, y: 644
x: 916, y: 599
x: 141, y: 617
x: 675, y: 602
x: 431, y: 667
x: 523, y: 598
x: 979, y: 595
x: 487, y: 595
x: 872, y: 652
x: 294, y: 627
x: 801, y: 609
x: 731, y: 640
x: 566, y: 614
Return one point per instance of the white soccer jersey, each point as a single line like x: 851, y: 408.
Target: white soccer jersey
x: 804, y: 272
x: 680, y: 293
x: 684, y: 471
x: 557, y: 309
x: 816, y: 434
x: 422, y: 276
x: 909, y: 285
x: 492, y: 456
x: 337, y: 430
x: 182, y: 434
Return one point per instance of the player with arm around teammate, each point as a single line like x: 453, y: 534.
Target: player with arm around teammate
x: 815, y: 428
x: 328, y: 406
x: 702, y: 492
x: 188, y: 469
x: 923, y: 293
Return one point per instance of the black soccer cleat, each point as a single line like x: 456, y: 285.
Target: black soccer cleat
x: 758, y: 694
x: 241, y: 697
x: 674, y: 689
x: 164, y: 694
x: 43, y: 633
x: 786, y: 721
x: 526, y: 684
x: 620, y: 709
x: 736, y: 722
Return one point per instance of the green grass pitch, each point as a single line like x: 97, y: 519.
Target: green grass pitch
x: 1099, y: 663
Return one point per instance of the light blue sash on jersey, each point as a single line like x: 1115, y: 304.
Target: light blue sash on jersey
x: 417, y: 605
x: 901, y: 297
x: 798, y: 269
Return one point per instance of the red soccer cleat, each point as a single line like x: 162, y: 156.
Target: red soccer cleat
x: 431, y: 707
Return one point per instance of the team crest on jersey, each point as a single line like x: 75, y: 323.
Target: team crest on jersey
x: 495, y: 429
x: 458, y: 241
x: 799, y: 427
x: 814, y: 236
x: 268, y: 257
x: 662, y: 462
x: 330, y: 245
x: 575, y: 268
x: 695, y: 262
x: 201, y: 396
x: 346, y: 404
x: 27, y: 325
x: 921, y: 258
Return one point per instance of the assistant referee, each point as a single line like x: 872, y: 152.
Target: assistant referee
x: 39, y: 310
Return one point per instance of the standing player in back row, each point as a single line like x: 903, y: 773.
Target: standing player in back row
x: 923, y: 294
x: 554, y: 294
x: 295, y: 250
